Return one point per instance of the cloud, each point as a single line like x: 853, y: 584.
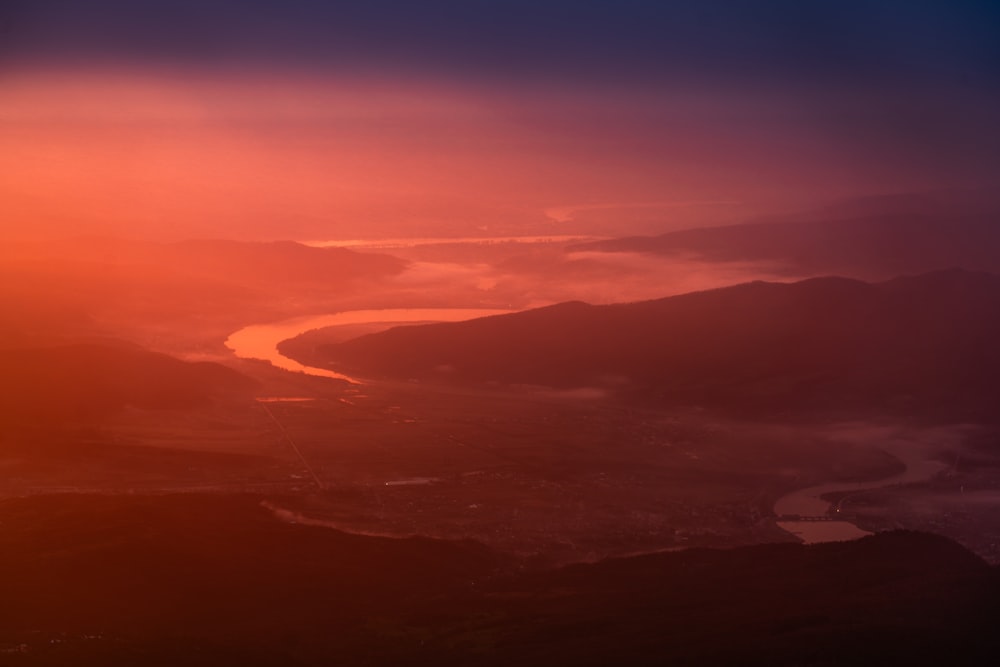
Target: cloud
x: 562, y: 40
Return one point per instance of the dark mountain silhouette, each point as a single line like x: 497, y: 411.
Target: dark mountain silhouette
x: 961, y: 202
x: 871, y: 238
x: 926, y: 342
x: 217, y: 580
x: 81, y: 382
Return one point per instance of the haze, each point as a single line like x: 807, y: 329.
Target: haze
x: 498, y: 333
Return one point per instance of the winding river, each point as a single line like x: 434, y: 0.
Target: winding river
x: 260, y: 341
x: 808, y: 502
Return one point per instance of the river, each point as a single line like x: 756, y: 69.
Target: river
x: 260, y: 341
x: 915, y: 454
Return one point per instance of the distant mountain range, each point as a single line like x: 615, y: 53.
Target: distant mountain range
x: 922, y: 343
x: 233, y: 261
x: 870, y: 238
x: 51, y: 292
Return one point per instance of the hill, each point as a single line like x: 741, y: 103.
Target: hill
x: 239, y: 262
x: 170, y: 296
x: 218, y: 580
x: 924, y: 343
x: 869, y: 240
x: 88, y: 381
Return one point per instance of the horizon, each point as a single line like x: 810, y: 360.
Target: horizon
x: 499, y: 332
x: 246, y: 121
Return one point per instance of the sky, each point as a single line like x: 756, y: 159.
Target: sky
x: 389, y: 118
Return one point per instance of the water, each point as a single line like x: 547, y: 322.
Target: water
x: 260, y: 341
x: 807, y: 502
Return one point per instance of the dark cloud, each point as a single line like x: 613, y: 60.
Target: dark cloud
x: 580, y: 40
x: 551, y: 103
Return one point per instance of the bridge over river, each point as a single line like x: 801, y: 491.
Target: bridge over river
x: 805, y: 513
x: 818, y: 517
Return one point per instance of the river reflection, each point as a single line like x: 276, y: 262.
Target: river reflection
x: 260, y: 341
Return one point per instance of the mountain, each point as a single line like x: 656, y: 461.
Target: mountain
x: 961, y: 202
x: 87, y: 381
x: 872, y: 238
x: 171, y: 296
x: 926, y: 342
x: 219, y: 580
x: 233, y: 261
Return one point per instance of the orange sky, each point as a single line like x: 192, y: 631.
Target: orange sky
x: 172, y: 154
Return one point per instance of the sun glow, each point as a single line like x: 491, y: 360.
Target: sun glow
x: 265, y: 156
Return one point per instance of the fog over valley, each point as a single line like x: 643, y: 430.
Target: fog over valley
x: 499, y: 333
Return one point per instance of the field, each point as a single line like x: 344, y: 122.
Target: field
x: 593, y: 477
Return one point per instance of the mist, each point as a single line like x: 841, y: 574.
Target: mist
x: 488, y: 333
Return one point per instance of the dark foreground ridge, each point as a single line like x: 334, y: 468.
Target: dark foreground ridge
x: 218, y: 580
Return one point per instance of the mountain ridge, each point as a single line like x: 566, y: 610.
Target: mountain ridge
x: 828, y: 341
x: 211, y: 580
x: 873, y: 247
